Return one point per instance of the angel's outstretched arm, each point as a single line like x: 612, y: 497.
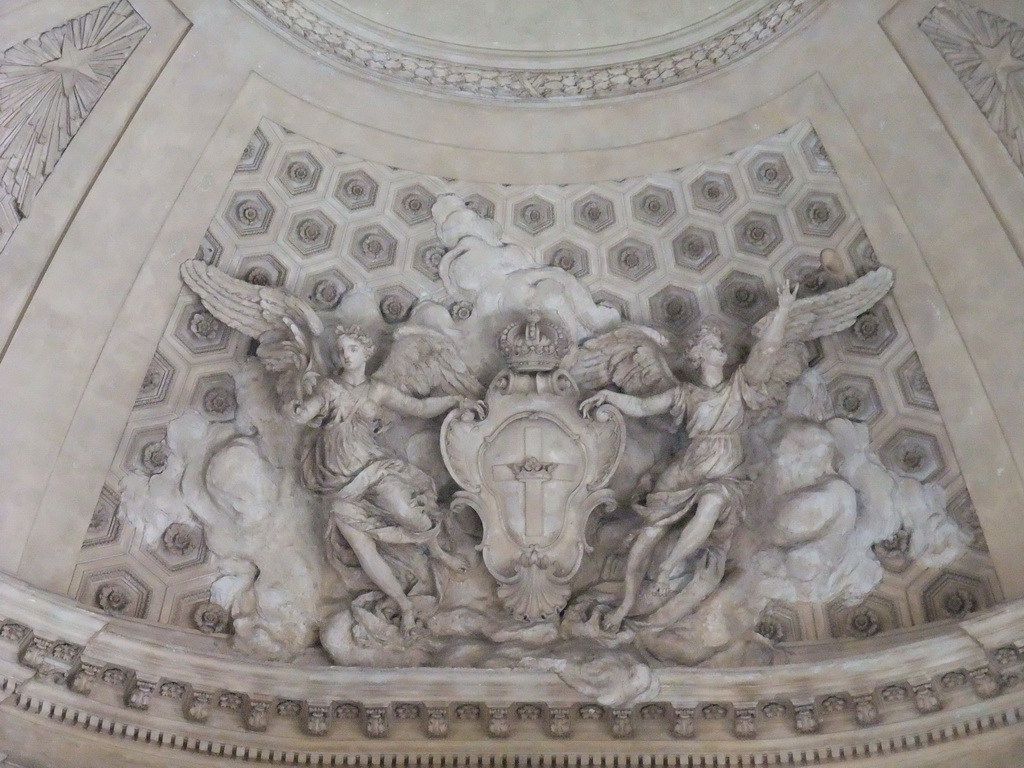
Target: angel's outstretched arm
x: 637, y: 407
x: 425, y: 408
x: 765, y: 352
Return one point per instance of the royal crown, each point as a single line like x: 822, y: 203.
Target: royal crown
x: 533, y: 345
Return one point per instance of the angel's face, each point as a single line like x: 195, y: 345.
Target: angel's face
x: 351, y: 352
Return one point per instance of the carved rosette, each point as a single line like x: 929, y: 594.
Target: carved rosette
x: 533, y: 469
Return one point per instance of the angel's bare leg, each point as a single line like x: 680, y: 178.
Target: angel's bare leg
x: 693, y: 535
x: 636, y: 567
x: 378, y: 571
x: 708, y: 575
x: 454, y: 562
x: 407, y: 509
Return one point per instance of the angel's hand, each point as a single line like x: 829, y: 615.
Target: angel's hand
x: 296, y: 332
x: 477, y: 407
x: 787, y: 295
x: 308, y: 382
x: 594, y: 401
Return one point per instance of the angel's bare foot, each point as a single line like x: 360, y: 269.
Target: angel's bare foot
x: 612, y: 622
x: 458, y: 565
x: 453, y: 562
x: 408, y: 622
x: 661, y: 586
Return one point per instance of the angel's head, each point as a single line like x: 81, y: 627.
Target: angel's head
x: 353, y: 346
x: 706, y: 347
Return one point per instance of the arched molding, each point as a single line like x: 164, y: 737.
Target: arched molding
x: 354, y: 44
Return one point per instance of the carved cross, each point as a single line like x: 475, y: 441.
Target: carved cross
x: 534, y: 470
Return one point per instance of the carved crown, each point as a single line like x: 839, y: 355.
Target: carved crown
x: 533, y: 345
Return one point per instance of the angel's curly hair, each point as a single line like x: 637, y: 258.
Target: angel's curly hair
x: 708, y: 331
x: 357, y: 333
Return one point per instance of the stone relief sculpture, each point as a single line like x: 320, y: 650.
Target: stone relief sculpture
x: 534, y: 470
x: 626, y: 516
x: 701, y: 484
x: 501, y: 280
x: 374, y: 497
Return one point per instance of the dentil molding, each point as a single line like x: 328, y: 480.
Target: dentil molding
x: 126, y: 682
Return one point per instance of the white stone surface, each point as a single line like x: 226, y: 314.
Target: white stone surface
x: 88, y: 282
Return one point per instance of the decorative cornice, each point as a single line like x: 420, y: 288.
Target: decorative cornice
x: 831, y: 750
x: 299, y: 22
x: 132, y: 682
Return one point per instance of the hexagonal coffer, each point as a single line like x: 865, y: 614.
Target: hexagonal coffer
x: 396, y: 303
x: 695, y: 248
x: 570, y: 257
x: 743, y: 296
x: 325, y: 289
x: 356, y: 190
x: 155, y: 383
x: 769, y: 173
x: 427, y: 258
x: 310, y: 233
x: 253, y: 154
x: 675, y: 307
x: 855, y: 397
x: 954, y: 595
x: 653, y: 205
x: 915, y: 454
x: 534, y: 215
x: 249, y: 213
x: 820, y: 214
x: 593, y: 213
x: 117, y: 591
x: 914, y: 384
x: 814, y: 153
x: 870, y: 334
x: 758, y: 233
x: 413, y: 204
x: 374, y: 247
x: 631, y: 258
x: 713, y: 191
x: 299, y: 173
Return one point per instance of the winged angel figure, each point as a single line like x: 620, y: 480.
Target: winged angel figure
x: 698, y: 492
x: 375, y: 497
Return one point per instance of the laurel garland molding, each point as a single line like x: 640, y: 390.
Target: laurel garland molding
x: 65, y: 663
x: 299, y: 22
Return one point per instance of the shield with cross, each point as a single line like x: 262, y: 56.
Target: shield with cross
x: 534, y: 470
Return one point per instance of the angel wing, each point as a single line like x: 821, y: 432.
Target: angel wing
x: 814, y: 317
x: 423, y: 361
x: 834, y: 311
x: 285, y: 325
x: 632, y: 357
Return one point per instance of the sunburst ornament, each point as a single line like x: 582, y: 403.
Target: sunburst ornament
x: 987, y: 53
x: 48, y: 87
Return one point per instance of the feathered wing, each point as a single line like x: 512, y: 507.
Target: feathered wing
x: 632, y: 357
x: 285, y: 325
x: 816, y: 316
x: 424, y: 362
x: 834, y: 311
